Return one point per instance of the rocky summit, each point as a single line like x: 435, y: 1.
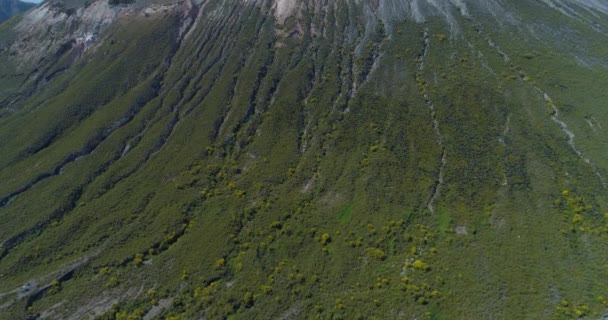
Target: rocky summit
x: 304, y: 159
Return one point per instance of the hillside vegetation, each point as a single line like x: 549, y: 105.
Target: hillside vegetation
x: 305, y: 160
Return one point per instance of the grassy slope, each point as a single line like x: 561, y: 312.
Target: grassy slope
x: 257, y: 187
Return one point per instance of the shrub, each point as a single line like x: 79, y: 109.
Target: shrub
x: 339, y: 304
x: 325, y: 238
x: 376, y: 253
x: 138, y: 260
x: 55, y: 286
x: 365, y: 162
x: 420, y: 265
x: 266, y: 289
x: 440, y: 36
x: 219, y: 263
x: 238, y: 266
x: 113, y: 282
x: 248, y: 299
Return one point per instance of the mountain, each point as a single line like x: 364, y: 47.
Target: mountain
x: 290, y: 159
x: 9, y: 8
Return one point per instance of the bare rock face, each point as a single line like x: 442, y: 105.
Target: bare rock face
x: 418, y: 10
x: 51, y: 27
x: 572, y: 8
x: 46, y: 29
x: 421, y: 10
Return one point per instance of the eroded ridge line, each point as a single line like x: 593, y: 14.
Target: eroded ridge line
x: 422, y: 85
x: 555, y: 118
x: 564, y: 128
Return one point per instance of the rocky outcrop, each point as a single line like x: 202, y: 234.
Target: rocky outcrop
x: 50, y: 27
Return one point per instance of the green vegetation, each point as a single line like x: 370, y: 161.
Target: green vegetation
x: 258, y: 171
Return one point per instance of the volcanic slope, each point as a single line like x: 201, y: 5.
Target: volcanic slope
x: 391, y: 159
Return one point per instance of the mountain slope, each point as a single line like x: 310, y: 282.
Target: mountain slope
x: 290, y: 159
x: 9, y: 8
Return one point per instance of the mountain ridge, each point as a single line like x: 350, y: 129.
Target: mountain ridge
x: 9, y: 8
